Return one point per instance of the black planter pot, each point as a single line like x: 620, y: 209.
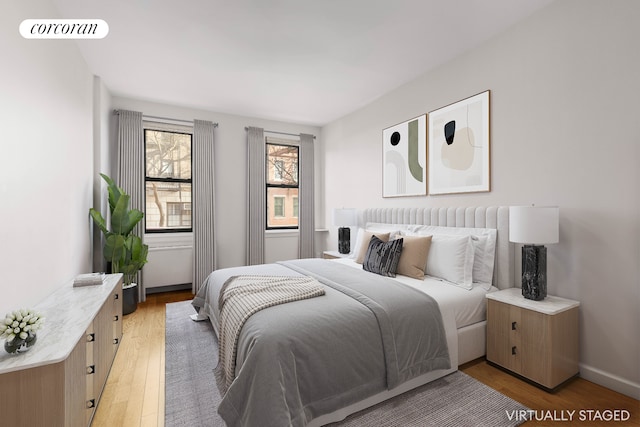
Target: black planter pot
x: 129, y: 299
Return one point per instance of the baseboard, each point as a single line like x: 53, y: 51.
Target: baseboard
x: 608, y: 380
x: 170, y: 288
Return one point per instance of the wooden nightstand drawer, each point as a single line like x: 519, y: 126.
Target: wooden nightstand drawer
x: 534, y: 342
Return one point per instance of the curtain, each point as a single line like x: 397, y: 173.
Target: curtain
x: 306, y: 221
x: 203, y: 202
x: 256, y: 195
x: 130, y: 169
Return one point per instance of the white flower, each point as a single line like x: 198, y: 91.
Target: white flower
x: 20, y: 323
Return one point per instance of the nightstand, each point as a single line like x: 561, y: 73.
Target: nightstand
x: 537, y: 340
x: 333, y: 255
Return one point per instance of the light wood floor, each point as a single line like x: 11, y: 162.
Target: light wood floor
x: 134, y: 393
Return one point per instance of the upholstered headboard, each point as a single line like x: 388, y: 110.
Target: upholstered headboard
x: 496, y: 217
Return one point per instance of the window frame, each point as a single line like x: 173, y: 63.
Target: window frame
x: 280, y: 142
x: 161, y: 128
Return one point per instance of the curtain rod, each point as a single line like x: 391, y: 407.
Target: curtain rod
x: 144, y: 116
x: 280, y: 133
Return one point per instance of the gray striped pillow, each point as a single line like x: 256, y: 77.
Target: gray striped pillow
x: 382, y: 257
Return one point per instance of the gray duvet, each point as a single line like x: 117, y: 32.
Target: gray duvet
x: 300, y: 360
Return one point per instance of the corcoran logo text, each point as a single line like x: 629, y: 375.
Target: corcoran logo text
x: 64, y: 29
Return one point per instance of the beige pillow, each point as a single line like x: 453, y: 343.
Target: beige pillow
x: 413, y: 260
x: 364, y: 243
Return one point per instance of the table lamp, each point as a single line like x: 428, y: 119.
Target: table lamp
x: 534, y: 227
x: 344, y: 218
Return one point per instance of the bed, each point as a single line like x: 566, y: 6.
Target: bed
x: 316, y: 361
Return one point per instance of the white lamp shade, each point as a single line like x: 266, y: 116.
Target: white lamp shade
x: 345, y: 217
x: 534, y: 225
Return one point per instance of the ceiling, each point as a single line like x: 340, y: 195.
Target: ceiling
x: 297, y: 61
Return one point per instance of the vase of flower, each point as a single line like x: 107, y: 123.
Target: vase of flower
x: 18, y: 345
x: 19, y: 329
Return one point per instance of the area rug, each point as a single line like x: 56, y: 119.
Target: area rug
x: 192, y: 398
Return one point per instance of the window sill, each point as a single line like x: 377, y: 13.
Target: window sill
x: 158, y: 240
x: 281, y: 233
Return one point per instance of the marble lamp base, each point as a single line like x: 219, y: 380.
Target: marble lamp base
x: 534, y: 272
x: 344, y: 240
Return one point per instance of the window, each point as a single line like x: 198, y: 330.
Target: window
x: 167, y: 181
x: 282, y: 183
x: 178, y: 214
x: 278, y: 170
x: 278, y: 207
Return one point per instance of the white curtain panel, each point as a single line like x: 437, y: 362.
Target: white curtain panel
x: 306, y: 215
x: 130, y: 165
x: 256, y: 195
x: 203, y: 202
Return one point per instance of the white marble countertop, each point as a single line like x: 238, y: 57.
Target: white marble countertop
x: 549, y: 305
x: 67, y: 312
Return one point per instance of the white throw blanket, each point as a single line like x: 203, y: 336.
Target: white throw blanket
x: 242, y: 296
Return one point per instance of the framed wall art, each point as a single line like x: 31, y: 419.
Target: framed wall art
x: 459, y: 156
x: 404, y: 158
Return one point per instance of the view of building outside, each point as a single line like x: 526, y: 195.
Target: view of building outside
x: 168, y: 180
x: 282, y: 184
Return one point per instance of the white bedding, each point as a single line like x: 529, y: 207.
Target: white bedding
x: 467, y: 306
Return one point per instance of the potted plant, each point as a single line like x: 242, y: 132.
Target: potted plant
x: 123, y: 250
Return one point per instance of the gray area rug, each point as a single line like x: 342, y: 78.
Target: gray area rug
x: 192, y: 398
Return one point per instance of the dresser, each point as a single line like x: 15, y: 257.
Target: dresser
x: 537, y: 340
x: 58, y: 382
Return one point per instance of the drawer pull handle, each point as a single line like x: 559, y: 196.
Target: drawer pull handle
x: 116, y: 341
x: 91, y: 337
x: 513, y: 350
x: 91, y: 369
x: 513, y: 326
x: 115, y: 318
x: 91, y: 403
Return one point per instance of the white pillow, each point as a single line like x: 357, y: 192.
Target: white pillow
x: 484, y: 240
x: 483, y: 259
x: 354, y: 247
x: 451, y: 258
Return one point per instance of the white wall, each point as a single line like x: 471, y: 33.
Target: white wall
x: 46, y: 176
x: 230, y: 171
x: 565, y: 131
x: 102, y: 118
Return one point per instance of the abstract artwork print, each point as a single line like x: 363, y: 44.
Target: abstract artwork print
x: 404, y: 154
x: 459, y: 147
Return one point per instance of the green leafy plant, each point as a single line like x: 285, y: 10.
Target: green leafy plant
x: 124, y: 250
